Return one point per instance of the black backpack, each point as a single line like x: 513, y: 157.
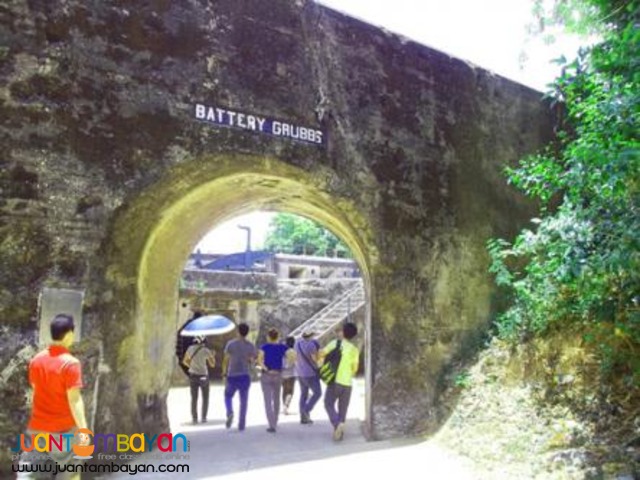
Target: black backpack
x: 329, y: 367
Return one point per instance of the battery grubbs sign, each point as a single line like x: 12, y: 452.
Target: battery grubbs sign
x: 225, y: 117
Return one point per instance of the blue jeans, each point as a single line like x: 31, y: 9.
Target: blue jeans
x: 306, y: 384
x: 239, y: 383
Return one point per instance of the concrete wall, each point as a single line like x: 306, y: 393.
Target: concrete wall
x: 108, y: 181
x: 302, y: 266
x: 239, y: 285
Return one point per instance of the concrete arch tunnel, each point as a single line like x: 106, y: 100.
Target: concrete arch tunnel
x: 183, y: 209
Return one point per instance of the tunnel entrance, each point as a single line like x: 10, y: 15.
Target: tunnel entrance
x: 241, y: 270
x: 176, y: 215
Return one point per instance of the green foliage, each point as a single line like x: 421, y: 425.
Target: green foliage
x: 580, y: 262
x: 462, y: 380
x: 298, y: 235
x: 585, y: 17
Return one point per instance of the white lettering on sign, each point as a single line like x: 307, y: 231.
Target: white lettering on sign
x: 255, y: 123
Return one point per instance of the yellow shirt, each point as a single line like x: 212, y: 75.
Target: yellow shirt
x: 348, y: 362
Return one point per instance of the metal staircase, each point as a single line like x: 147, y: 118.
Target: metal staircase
x: 326, y: 319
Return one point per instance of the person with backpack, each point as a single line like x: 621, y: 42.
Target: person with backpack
x: 341, y: 359
x: 197, y: 359
x: 307, y: 352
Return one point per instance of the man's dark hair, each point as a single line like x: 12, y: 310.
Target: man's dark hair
x: 273, y: 334
x: 60, y: 325
x: 290, y: 342
x: 243, y: 329
x: 349, y: 330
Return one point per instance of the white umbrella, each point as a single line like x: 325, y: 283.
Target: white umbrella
x: 208, y: 325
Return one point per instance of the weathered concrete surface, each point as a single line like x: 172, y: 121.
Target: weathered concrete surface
x: 232, y: 285
x: 299, y: 300
x: 108, y: 182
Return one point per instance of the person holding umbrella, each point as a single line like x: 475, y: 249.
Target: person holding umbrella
x: 183, y: 342
x: 197, y: 358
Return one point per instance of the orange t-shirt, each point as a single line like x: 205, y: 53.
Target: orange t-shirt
x: 52, y: 372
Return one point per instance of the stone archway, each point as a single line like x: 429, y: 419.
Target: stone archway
x: 157, y: 232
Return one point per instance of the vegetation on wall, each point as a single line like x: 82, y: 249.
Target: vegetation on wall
x: 294, y: 234
x: 579, y: 267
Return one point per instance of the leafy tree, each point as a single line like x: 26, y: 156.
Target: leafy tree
x: 580, y: 265
x: 298, y: 235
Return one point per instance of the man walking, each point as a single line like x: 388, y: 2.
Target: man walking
x: 339, y: 392
x: 196, y: 359
x: 239, y: 356
x: 307, y: 349
x: 56, y: 379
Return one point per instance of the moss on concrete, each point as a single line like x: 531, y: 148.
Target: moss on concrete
x: 72, y: 265
x: 18, y: 182
x: 41, y: 88
x: 25, y: 257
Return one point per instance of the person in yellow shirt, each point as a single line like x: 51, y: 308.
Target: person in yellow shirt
x: 339, y: 392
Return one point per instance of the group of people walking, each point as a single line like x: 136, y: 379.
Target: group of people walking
x: 279, y: 364
x: 56, y: 378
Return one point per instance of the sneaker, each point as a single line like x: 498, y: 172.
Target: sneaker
x: 271, y: 430
x: 338, y: 432
x: 305, y: 419
x: 204, y: 420
x: 229, y: 420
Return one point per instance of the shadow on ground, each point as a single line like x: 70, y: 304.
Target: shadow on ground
x: 304, y: 451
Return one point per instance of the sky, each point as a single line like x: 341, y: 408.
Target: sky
x: 228, y: 238
x: 491, y: 34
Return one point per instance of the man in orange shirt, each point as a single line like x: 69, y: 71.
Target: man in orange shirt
x: 56, y: 378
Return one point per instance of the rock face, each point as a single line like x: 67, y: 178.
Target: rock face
x: 108, y: 179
